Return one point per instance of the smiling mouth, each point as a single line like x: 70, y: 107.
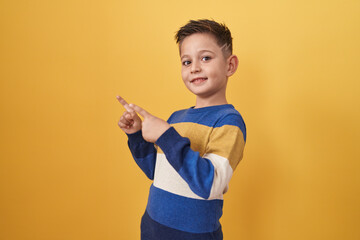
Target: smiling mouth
x: 198, y: 80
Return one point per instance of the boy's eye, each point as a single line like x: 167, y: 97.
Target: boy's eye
x: 206, y: 58
x: 185, y: 63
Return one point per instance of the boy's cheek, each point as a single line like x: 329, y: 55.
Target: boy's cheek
x: 185, y: 77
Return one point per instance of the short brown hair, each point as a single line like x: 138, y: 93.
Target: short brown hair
x: 221, y: 33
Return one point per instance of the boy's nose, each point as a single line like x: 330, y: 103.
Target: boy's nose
x: 195, y: 67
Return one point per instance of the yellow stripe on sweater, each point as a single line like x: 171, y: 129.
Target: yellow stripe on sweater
x: 226, y: 141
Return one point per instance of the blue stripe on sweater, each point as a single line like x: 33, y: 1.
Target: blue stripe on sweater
x: 182, y: 213
x: 207, y: 115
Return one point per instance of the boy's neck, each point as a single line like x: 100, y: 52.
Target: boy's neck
x: 206, y: 102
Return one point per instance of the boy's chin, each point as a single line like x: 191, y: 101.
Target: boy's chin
x: 197, y: 88
x: 200, y: 94
x: 204, y: 92
x: 194, y: 91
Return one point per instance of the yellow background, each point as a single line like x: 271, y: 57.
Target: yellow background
x: 66, y: 172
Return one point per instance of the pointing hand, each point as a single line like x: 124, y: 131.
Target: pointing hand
x: 152, y: 127
x: 129, y: 122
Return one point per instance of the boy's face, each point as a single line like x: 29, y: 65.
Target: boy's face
x: 204, y: 68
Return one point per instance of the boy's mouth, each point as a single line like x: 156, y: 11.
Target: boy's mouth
x: 198, y: 80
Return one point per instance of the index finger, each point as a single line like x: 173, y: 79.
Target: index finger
x: 141, y: 111
x: 124, y: 103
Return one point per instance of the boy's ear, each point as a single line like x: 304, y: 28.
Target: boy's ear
x: 232, y: 64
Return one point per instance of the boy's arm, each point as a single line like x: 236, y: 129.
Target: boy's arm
x: 143, y: 152
x: 207, y: 176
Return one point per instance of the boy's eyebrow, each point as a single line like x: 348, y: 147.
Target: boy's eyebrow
x: 184, y: 56
x: 201, y: 51
x: 206, y: 50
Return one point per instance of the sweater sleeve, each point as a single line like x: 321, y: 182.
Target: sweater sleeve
x: 143, y: 152
x: 208, y: 175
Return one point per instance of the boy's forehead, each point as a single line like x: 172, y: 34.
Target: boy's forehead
x: 198, y: 41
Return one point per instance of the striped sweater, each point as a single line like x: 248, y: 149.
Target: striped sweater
x: 191, y: 165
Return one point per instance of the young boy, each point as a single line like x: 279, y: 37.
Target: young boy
x: 192, y: 156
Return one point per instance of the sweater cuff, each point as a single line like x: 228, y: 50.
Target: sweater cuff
x: 135, y: 137
x: 168, y: 139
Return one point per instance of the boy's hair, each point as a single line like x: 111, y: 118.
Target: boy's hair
x: 221, y: 33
